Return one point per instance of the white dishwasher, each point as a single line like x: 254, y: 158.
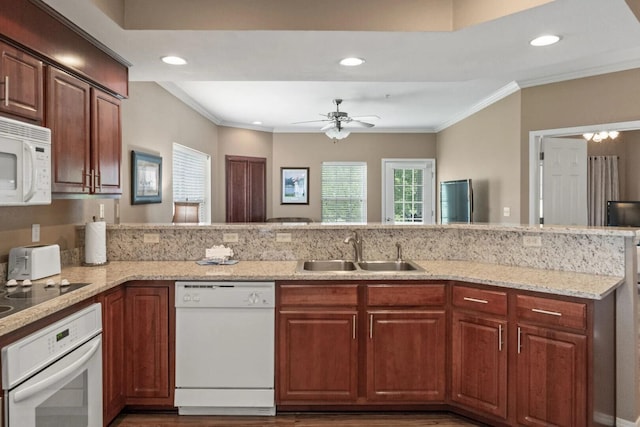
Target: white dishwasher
x: 225, y: 348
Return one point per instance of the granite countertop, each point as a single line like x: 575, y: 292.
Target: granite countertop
x: 102, y: 278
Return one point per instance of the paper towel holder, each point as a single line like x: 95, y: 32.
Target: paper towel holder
x: 93, y: 264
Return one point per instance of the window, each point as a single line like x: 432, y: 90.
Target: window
x: 344, y: 192
x: 191, y: 179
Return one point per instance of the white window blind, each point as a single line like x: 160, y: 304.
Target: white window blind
x: 344, y: 192
x: 191, y: 175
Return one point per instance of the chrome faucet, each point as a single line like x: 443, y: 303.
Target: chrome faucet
x: 356, y: 241
x: 399, y: 248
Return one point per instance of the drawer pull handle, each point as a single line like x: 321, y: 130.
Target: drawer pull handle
x: 481, y: 301
x: 354, y: 326
x: 550, y: 313
x: 6, y: 91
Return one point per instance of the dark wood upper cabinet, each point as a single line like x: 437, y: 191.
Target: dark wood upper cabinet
x: 21, y: 84
x: 86, y: 136
x: 246, y: 189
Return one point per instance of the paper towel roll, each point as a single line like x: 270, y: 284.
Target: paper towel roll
x: 95, y: 243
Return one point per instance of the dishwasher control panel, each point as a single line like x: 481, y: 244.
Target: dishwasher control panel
x: 225, y: 294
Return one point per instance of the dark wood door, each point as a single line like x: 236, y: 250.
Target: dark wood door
x: 113, y: 351
x: 551, y: 378
x: 68, y: 117
x: 148, y: 364
x: 479, y: 366
x: 317, y: 358
x: 406, y: 355
x: 21, y: 84
x: 246, y: 189
x: 106, y: 143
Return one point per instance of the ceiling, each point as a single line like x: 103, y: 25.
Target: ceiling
x: 415, y: 80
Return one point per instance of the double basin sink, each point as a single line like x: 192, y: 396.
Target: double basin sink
x: 334, y: 266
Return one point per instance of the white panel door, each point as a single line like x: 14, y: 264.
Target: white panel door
x: 408, y: 191
x: 564, y: 181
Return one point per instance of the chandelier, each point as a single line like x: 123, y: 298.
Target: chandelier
x: 600, y: 136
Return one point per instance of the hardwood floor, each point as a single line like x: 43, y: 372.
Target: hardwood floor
x: 296, y: 420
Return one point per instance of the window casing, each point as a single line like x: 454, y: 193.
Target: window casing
x: 344, y: 192
x: 192, y: 178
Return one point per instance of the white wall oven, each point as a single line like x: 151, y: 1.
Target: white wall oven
x: 53, y: 377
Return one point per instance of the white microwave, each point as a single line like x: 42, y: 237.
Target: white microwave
x: 25, y: 164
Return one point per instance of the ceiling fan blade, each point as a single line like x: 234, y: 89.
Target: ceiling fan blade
x: 366, y: 117
x: 358, y: 123
x: 311, y: 121
x: 328, y: 126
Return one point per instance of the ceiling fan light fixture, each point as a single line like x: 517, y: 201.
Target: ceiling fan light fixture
x: 174, y: 60
x: 351, y: 61
x: 545, y: 40
x: 335, y: 133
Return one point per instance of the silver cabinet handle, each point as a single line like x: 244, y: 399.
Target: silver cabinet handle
x: 500, y: 337
x: 519, y: 340
x: 481, y: 301
x: 354, y: 326
x: 541, y: 311
x: 371, y: 326
x: 6, y: 91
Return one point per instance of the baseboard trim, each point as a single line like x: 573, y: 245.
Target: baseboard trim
x: 624, y: 423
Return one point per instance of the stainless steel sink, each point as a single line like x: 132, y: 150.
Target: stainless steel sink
x: 379, y: 266
x: 338, y: 265
x: 327, y: 265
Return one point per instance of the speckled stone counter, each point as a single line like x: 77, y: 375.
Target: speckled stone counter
x: 581, y: 285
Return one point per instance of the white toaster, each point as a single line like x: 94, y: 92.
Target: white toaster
x: 33, y: 262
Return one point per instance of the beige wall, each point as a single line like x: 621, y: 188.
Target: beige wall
x: 485, y: 147
x: 240, y: 142
x: 608, y: 98
x: 152, y: 120
x: 310, y: 150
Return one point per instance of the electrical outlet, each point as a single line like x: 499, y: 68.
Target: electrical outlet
x: 35, y: 232
x: 101, y: 213
x: 283, y: 237
x: 506, y: 211
x: 151, y: 238
x: 533, y: 241
x: 230, y: 237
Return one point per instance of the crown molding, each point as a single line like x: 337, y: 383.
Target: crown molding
x: 174, y: 90
x: 496, y: 96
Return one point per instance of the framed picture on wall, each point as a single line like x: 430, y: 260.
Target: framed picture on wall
x: 294, y: 186
x: 146, y: 178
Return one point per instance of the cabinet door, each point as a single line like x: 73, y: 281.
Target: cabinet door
x: 406, y: 355
x: 68, y: 117
x: 105, y: 143
x: 148, y: 359
x: 246, y: 189
x: 113, y: 346
x: 479, y: 367
x: 551, y: 378
x: 317, y: 358
x: 21, y: 84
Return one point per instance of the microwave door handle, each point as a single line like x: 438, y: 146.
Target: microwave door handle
x: 46, y: 383
x: 34, y: 173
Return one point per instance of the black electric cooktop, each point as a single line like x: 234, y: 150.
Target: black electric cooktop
x: 17, y: 298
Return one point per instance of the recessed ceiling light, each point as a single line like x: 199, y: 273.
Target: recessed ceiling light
x: 257, y: 122
x: 174, y: 60
x: 545, y: 40
x: 351, y: 62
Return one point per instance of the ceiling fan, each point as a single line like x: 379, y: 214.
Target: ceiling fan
x: 337, y: 122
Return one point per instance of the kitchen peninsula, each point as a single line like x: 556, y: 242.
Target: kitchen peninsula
x: 578, y: 274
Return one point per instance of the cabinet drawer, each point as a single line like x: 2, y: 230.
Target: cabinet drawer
x: 552, y: 312
x: 405, y: 295
x: 318, y: 295
x: 482, y: 300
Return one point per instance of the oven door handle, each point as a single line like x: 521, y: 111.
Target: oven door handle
x: 45, y: 383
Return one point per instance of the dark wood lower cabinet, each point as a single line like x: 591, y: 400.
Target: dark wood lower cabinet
x: 318, y: 356
x: 113, y: 353
x: 479, y: 363
x: 551, y: 378
x: 406, y: 356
